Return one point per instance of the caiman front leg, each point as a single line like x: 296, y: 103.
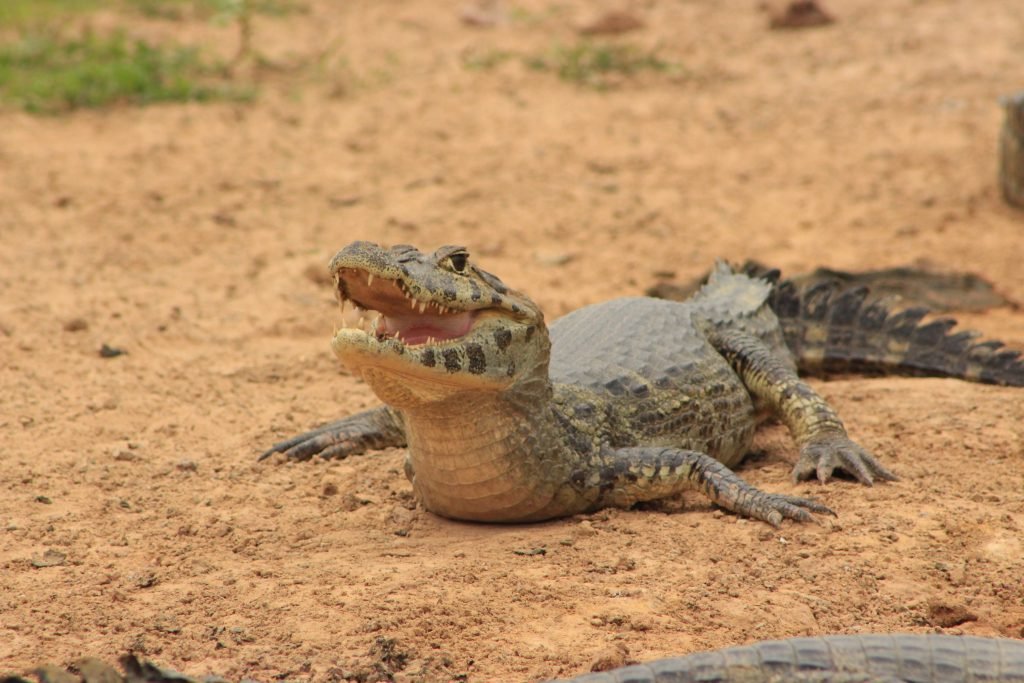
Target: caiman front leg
x: 814, y: 425
x: 373, y: 429
x: 625, y: 476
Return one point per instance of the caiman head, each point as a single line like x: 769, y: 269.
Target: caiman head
x: 420, y: 328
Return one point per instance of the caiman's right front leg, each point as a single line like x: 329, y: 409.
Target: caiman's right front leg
x: 372, y: 429
x: 824, y: 444
x: 626, y: 476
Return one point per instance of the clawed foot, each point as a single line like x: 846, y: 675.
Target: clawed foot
x: 372, y: 429
x: 821, y: 456
x: 775, y: 507
x: 332, y: 441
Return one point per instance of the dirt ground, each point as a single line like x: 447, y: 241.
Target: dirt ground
x: 134, y: 514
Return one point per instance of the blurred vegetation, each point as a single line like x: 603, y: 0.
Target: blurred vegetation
x: 218, y: 9
x: 485, y: 60
x: 25, y: 13
x: 48, y: 74
x: 20, y: 13
x: 600, y: 65
x: 52, y: 61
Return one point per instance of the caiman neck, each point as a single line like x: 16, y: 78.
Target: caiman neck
x: 480, y: 456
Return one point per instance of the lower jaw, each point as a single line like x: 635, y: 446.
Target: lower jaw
x: 402, y: 381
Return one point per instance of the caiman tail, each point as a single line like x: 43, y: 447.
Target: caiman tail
x: 832, y: 330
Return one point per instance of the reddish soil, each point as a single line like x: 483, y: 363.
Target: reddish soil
x: 195, y: 237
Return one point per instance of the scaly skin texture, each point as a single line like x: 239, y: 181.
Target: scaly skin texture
x: 625, y: 401
x: 895, y: 658
x: 830, y: 330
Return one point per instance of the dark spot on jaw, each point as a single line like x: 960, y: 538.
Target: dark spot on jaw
x: 530, y: 331
x: 516, y: 309
x: 502, y: 338
x: 477, y: 359
x: 452, y: 362
x: 450, y: 294
x: 640, y: 390
x: 511, y: 368
x: 615, y: 387
x: 476, y: 293
x: 496, y: 300
x: 427, y: 358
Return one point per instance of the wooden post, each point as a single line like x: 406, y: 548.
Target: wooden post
x: 1011, y: 151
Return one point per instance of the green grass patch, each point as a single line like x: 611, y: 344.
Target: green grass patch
x: 173, y: 10
x: 43, y: 72
x: 20, y: 13
x: 485, y: 60
x: 217, y: 9
x: 600, y: 65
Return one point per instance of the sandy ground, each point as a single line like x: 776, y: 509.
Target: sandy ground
x: 195, y: 239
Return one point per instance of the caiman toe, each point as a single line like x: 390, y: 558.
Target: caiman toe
x: 775, y: 507
x: 823, y: 455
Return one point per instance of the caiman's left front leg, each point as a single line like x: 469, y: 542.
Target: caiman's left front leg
x: 816, y: 428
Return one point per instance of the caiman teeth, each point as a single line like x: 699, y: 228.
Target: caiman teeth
x: 376, y: 311
x: 358, y: 317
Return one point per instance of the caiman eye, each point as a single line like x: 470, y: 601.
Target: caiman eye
x: 458, y: 261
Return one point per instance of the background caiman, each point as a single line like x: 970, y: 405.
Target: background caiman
x: 868, y: 658
x: 629, y: 400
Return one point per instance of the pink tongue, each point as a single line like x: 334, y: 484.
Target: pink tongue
x: 417, y: 329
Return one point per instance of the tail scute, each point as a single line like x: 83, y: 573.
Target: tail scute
x: 832, y: 330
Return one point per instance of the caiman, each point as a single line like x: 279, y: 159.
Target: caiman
x: 868, y: 658
x: 636, y: 399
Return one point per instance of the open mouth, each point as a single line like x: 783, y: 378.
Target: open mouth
x: 386, y: 309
